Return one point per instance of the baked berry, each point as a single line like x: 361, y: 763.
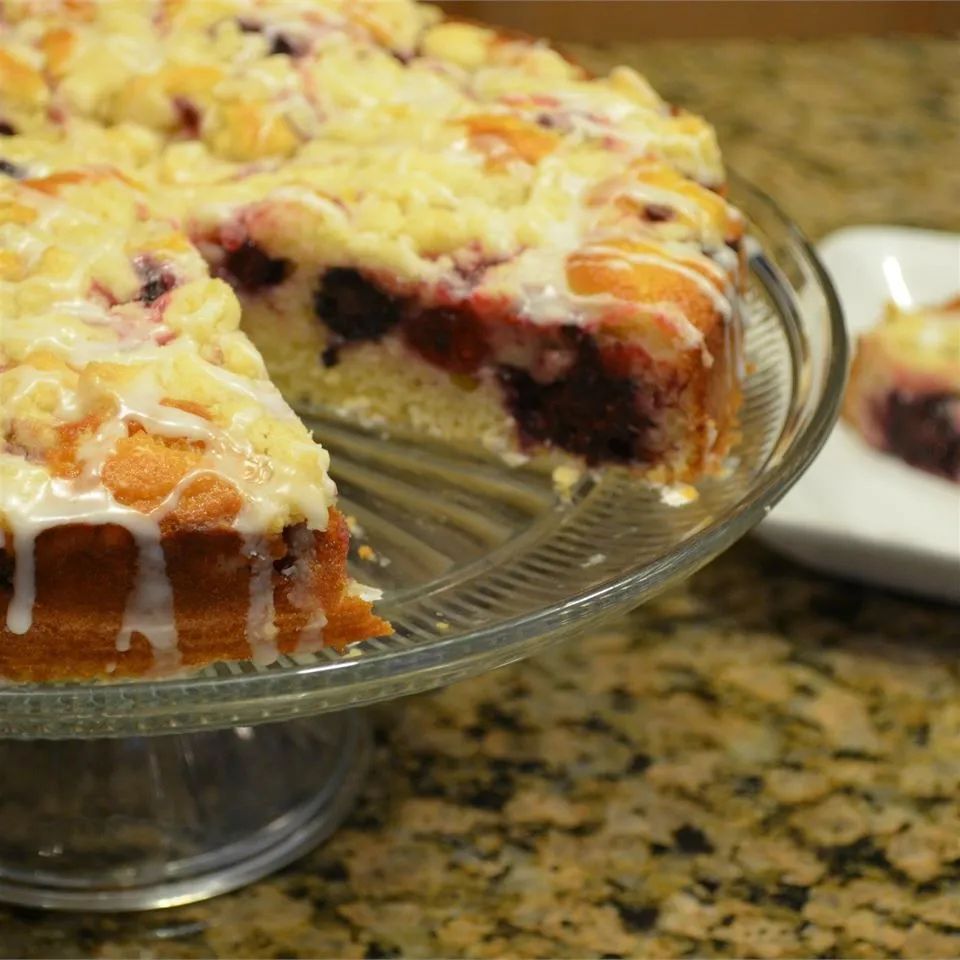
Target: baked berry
x: 923, y: 431
x: 12, y: 169
x: 157, y: 280
x: 353, y: 307
x: 156, y: 287
x: 250, y: 268
x: 448, y: 338
x: 588, y: 410
x: 657, y: 212
x: 188, y: 117
x: 330, y: 356
x: 279, y: 43
x: 283, y: 46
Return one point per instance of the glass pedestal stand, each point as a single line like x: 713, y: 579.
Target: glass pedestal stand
x: 153, y: 793
x: 131, y: 824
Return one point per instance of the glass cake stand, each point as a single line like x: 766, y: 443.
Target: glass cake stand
x: 147, y: 794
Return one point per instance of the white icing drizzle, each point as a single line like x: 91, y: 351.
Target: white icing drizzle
x: 302, y: 547
x: 626, y: 257
x: 55, y: 502
x: 20, y: 610
x: 149, y: 610
x: 167, y: 369
x: 311, y: 636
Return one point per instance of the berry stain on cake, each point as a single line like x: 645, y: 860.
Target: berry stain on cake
x: 925, y: 430
x: 589, y: 409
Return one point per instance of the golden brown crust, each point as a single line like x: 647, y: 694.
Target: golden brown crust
x: 85, y: 573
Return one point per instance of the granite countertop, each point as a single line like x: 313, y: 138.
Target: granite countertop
x: 762, y: 762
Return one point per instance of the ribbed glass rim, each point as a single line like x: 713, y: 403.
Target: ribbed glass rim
x: 510, y: 639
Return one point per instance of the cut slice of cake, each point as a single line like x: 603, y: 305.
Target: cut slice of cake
x: 161, y: 507
x: 904, y: 390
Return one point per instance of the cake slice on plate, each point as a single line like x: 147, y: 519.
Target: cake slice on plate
x: 904, y: 390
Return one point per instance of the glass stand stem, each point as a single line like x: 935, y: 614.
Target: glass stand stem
x: 145, y: 822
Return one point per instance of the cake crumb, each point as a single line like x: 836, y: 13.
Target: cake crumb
x: 442, y: 626
x: 565, y: 478
x: 353, y: 525
x: 513, y: 458
x: 366, y: 552
x: 364, y: 592
x: 678, y: 495
x: 594, y: 559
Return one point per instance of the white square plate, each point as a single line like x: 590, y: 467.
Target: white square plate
x: 857, y: 512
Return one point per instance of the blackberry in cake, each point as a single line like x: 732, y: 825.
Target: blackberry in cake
x: 904, y: 391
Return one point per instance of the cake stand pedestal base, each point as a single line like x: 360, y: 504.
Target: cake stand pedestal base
x: 145, y: 822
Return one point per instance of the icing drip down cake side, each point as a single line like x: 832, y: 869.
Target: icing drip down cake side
x: 417, y: 222
x: 161, y: 506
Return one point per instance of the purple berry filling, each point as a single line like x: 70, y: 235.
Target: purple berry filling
x: 249, y: 268
x: 590, y: 407
x: 589, y: 410
x: 922, y: 430
x: 353, y: 307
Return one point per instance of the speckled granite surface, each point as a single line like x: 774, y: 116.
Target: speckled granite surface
x: 853, y: 130
x: 760, y: 763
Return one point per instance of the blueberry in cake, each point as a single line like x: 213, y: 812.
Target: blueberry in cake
x: 904, y: 390
x: 417, y: 222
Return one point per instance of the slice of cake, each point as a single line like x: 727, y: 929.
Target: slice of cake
x: 160, y: 505
x: 904, y: 390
